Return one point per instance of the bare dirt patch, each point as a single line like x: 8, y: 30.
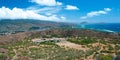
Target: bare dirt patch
x: 72, y: 45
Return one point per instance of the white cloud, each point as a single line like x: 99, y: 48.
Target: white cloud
x: 58, y: 3
x: 63, y: 18
x: 45, y: 9
x: 17, y: 13
x: 48, y: 14
x: 107, y: 9
x: 96, y: 13
x: 46, y: 2
x: 70, y: 7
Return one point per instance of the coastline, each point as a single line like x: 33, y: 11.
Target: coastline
x: 106, y: 27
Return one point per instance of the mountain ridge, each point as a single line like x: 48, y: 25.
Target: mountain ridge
x: 22, y: 25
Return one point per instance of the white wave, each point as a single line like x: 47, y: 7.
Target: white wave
x: 108, y: 30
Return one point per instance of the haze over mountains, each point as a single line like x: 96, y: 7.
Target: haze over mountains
x: 21, y: 25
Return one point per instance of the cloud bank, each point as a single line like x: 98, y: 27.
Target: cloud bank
x: 17, y: 13
x: 42, y: 10
x: 96, y: 13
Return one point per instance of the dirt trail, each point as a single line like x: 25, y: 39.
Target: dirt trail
x: 72, y: 45
x: 75, y: 46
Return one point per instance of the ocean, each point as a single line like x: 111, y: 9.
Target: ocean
x: 108, y: 27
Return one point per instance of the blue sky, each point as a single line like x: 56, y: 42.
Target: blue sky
x: 93, y: 11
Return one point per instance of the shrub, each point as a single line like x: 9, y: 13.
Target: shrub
x: 3, y: 57
x: 83, y: 41
x: 105, y: 57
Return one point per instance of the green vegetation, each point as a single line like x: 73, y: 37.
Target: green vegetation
x: 45, y: 50
x: 49, y: 50
x: 83, y: 41
x: 50, y: 36
x: 49, y: 43
x: 105, y: 57
x: 100, y: 48
x: 2, y: 56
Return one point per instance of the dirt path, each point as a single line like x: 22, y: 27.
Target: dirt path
x: 72, y: 45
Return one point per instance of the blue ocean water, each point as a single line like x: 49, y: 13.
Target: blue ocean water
x: 108, y: 27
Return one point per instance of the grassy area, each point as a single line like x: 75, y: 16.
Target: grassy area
x: 105, y: 57
x: 98, y: 47
x: 46, y: 50
x: 82, y: 41
x: 51, y: 51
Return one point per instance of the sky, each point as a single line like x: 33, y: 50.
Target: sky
x: 92, y: 11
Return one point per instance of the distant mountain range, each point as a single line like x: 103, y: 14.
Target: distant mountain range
x: 21, y: 25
